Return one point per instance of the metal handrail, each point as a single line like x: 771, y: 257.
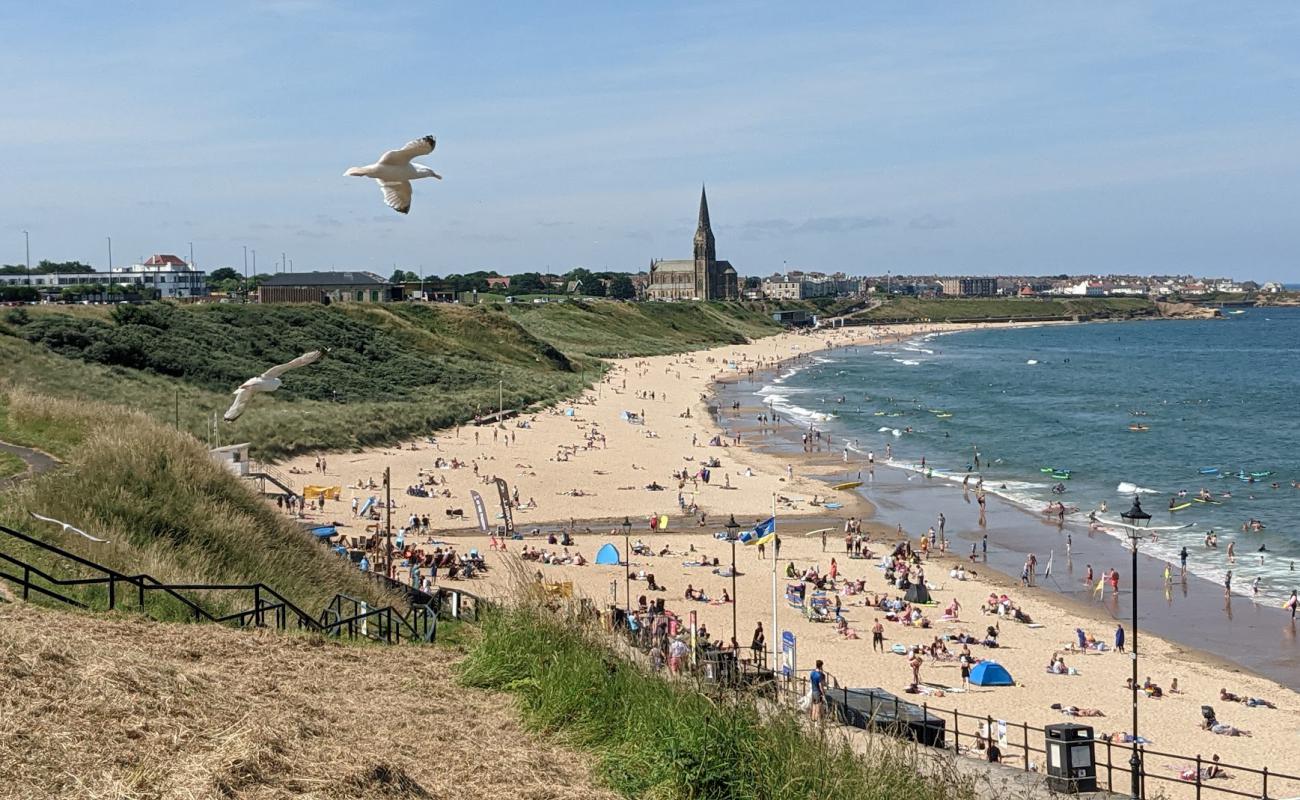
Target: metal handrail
x: 417, y: 623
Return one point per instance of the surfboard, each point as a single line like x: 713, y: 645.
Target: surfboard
x: 1211, y: 502
x: 849, y: 485
x: 1181, y: 506
x: 663, y: 522
x: 833, y: 506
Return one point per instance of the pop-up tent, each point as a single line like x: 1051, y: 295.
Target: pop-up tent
x: 990, y: 673
x: 608, y: 554
x: 917, y: 593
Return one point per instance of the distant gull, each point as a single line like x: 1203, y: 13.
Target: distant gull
x: 268, y: 381
x: 394, y: 172
x: 68, y: 528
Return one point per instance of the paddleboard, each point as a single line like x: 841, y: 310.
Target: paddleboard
x: 1180, y: 507
x: 942, y: 416
x: 849, y: 485
x: 1211, y: 502
x: 1209, y: 470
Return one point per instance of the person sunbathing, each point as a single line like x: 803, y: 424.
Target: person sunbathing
x: 1230, y: 697
x: 1076, y: 711
x: 1211, y: 770
x: 1223, y: 729
x: 843, y: 629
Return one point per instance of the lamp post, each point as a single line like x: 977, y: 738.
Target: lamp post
x: 27, y: 248
x: 732, y: 527
x: 627, y: 563
x: 1134, y: 518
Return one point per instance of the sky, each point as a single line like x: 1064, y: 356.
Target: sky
x: 926, y: 137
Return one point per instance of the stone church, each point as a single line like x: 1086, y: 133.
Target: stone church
x: 701, y: 278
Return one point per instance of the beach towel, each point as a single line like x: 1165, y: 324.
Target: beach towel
x: 899, y: 649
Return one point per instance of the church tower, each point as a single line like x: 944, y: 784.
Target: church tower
x: 706, y: 256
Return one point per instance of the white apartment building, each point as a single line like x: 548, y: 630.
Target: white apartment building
x: 169, y: 274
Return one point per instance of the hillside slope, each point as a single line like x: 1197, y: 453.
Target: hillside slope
x: 125, y: 708
x: 392, y: 371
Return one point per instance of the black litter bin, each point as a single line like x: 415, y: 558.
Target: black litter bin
x: 1071, y: 766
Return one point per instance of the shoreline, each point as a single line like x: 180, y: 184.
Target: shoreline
x: 631, y: 451
x: 1239, y: 625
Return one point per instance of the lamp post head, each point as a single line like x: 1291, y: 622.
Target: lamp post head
x: 1135, y: 515
x: 732, y: 527
x: 627, y: 525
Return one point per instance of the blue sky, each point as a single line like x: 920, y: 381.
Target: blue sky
x: 913, y: 137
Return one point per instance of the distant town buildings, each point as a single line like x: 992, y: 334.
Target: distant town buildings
x: 331, y: 287
x: 702, y: 278
x: 163, y: 275
x: 970, y: 287
x: 799, y: 285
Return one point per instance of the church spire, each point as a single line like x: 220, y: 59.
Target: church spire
x: 703, y: 225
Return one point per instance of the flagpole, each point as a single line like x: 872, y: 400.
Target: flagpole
x: 776, y: 632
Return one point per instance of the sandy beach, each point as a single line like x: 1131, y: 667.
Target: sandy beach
x: 591, y: 466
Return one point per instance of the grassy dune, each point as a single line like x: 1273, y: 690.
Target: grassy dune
x: 165, y: 507
x: 392, y: 371
x: 126, y: 708
x: 974, y: 308
x: 654, y: 738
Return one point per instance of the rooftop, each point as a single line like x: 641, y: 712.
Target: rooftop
x: 357, y: 278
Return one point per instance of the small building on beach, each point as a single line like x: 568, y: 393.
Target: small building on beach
x: 328, y: 287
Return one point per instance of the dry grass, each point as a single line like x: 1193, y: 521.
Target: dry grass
x: 115, y: 707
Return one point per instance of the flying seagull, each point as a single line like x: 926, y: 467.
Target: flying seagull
x: 394, y: 171
x: 67, y: 528
x: 268, y: 381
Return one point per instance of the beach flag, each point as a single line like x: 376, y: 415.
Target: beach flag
x: 762, y: 533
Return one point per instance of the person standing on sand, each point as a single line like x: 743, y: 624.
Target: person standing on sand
x: 759, y: 641
x: 915, y: 663
x: 1119, y: 638
x: 984, y: 547
x: 878, y: 634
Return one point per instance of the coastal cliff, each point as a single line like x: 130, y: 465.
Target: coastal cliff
x: 1186, y: 311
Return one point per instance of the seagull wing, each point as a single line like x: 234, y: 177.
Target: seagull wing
x: 397, y: 195
x: 419, y: 147
x: 242, y: 397
x: 68, y: 527
x: 301, y: 361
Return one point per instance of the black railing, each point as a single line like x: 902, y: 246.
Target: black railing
x: 745, y: 674
x: 268, y: 607
x: 1112, y: 758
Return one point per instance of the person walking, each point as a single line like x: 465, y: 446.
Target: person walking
x: 878, y: 633
x: 817, y: 691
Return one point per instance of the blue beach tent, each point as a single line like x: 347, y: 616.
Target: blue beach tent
x: 990, y: 673
x: 608, y: 554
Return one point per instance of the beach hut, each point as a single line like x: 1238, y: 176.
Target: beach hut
x: 608, y: 554
x: 990, y: 673
x: 917, y: 593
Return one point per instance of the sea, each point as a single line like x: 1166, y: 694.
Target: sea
x: 1213, y: 403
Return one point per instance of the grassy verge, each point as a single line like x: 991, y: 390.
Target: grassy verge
x: 1003, y: 308
x: 10, y: 465
x: 654, y: 738
x: 166, y: 509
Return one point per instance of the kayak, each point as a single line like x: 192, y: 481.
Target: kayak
x: 943, y: 416
x: 1061, y: 476
x: 1260, y: 474
x: 1180, y: 507
x: 1054, y: 470
x: 1139, y: 427
x: 849, y: 485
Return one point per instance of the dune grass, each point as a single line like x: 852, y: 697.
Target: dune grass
x: 10, y: 465
x: 975, y: 308
x: 392, y: 372
x: 166, y: 508
x: 661, y: 739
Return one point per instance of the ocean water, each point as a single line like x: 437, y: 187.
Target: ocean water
x: 1216, y: 394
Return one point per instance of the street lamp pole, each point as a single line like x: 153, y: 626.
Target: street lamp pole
x: 1134, y: 517
x: 732, y: 527
x: 27, y: 248
x: 627, y: 563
